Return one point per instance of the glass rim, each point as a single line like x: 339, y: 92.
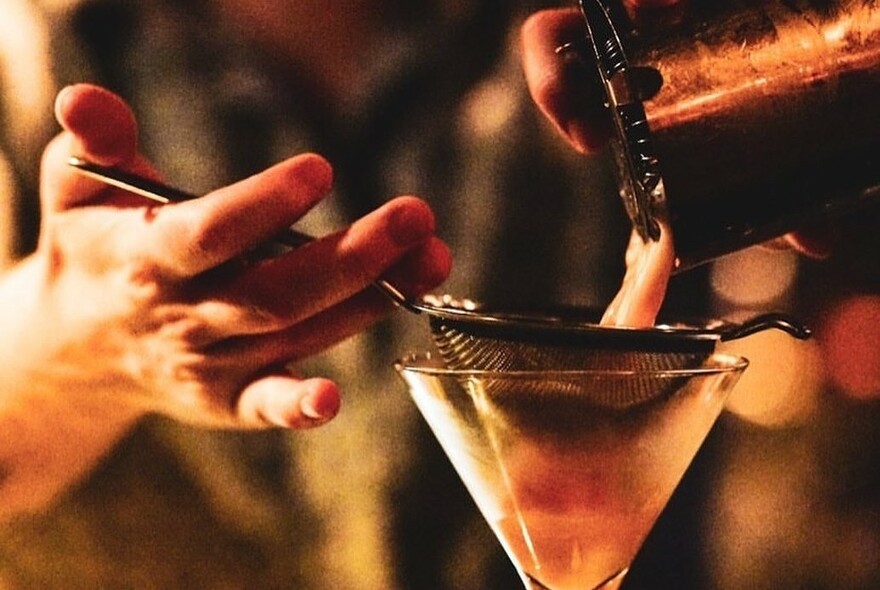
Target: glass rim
x: 427, y: 363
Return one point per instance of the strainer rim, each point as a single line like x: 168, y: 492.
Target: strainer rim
x: 726, y: 363
x: 479, y: 315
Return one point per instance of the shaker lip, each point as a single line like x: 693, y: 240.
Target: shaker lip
x: 637, y: 165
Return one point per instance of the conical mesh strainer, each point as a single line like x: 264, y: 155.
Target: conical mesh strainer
x: 470, y: 336
x: 647, y: 363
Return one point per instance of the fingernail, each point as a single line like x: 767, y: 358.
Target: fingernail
x: 308, y: 408
x: 320, y: 404
x: 60, y: 99
x: 412, y: 223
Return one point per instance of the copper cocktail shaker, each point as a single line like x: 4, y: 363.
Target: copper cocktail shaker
x: 741, y: 120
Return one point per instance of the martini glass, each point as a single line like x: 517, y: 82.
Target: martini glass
x: 570, y: 479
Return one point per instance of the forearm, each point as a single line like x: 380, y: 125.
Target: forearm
x: 54, y: 426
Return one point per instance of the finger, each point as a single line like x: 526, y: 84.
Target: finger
x: 284, y: 401
x: 101, y: 123
x: 282, y: 291
x: 413, y: 276
x: 422, y: 269
x: 815, y: 242
x: 98, y: 125
x: 191, y: 237
x: 564, y: 85
x: 419, y: 272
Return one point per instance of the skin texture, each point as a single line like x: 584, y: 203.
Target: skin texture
x: 127, y: 308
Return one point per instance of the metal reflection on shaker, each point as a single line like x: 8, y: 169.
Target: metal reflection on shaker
x: 767, y: 118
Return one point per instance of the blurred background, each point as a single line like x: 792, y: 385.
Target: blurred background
x: 425, y: 98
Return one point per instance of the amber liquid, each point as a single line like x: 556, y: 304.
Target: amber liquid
x: 571, y: 488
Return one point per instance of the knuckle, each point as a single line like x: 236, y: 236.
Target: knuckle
x: 195, y: 391
x: 362, y: 264
x: 207, y: 236
x: 268, y: 312
x: 272, y: 317
x: 144, y: 279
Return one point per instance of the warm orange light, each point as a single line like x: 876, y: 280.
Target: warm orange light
x: 784, y: 380
x: 850, y: 337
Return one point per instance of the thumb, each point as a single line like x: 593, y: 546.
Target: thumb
x: 97, y: 125
x: 101, y: 124
x: 282, y: 400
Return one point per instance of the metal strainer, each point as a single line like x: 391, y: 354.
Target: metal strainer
x: 647, y: 363
x: 470, y: 336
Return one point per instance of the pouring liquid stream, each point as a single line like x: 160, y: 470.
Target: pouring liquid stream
x: 649, y: 266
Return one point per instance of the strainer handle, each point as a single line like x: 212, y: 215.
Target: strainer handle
x: 294, y: 239
x: 759, y: 323
x: 163, y: 193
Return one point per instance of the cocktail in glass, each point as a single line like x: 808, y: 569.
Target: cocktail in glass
x: 570, y: 478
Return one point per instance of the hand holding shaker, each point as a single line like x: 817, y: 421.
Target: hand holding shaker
x: 739, y: 121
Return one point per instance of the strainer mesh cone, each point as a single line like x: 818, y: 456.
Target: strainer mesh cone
x: 464, y: 350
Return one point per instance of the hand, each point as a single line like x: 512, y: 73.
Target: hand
x: 156, y: 308
x: 127, y: 308
x: 564, y: 89
x: 567, y: 92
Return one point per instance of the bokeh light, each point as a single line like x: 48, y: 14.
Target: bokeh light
x: 850, y: 338
x: 782, y: 384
